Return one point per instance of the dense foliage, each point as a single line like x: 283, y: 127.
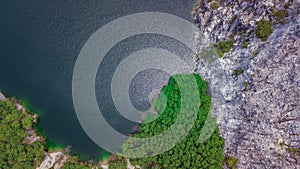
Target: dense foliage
x: 117, y: 162
x: 238, y: 72
x: 189, y: 153
x: 245, y: 45
x: 215, y: 5
x: 231, y: 162
x: 14, y: 152
x: 224, y: 47
x: 74, y: 163
x: 264, y: 29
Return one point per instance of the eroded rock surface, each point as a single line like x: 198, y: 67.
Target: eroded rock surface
x: 53, y: 160
x: 258, y: 111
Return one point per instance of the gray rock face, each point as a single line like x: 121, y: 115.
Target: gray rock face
x: 2, y: 97
x: 258, y: 111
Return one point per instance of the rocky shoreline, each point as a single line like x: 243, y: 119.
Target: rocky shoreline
x: 56, y: 159
x: 255, y: 87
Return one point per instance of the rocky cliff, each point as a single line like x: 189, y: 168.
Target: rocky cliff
x: 255, y: 81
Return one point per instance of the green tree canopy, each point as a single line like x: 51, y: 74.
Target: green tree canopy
x: 189, y: 153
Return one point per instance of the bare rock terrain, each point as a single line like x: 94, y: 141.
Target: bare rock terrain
x: 258, y: 109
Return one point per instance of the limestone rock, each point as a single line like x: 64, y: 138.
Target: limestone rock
x: 258, y: 111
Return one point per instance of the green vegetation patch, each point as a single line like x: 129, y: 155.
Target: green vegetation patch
x: 282, y: 144
x: 292, y: 150
x: 189, y: 153
x: 224, y: 47
x: 75, y: 163
x: 280, y: 15
x: 245, y: 45
x: 15, y: 152
x: 264, y: 29
x: 215, y: 5
x: 238, y: 72
x: 231, y: 162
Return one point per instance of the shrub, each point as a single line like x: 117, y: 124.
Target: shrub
x: 232, y: 162
x: 224, y: 47
x: 292, y: 150
x: 215, y: 5
x: 245, y: 45
x: 15, y: 152
x: 238, y: 72
x: 264, y: 29
x: 280, y: 15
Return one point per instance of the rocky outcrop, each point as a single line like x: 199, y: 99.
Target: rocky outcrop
x: 53, y: 160
x: 56, y: 159
x: 2, y: 97
x: 130, y: 166
x: 258, y: 110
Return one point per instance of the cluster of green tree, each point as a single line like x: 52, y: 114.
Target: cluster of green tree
x: 117, y: 162
x: 74, y: 163
x: 238, y: 72
x: 215, y: 5
x: 15, y: 151
x: 224, y: 47
x: 264, y: 29
x: 245, y: 45
x: 189, y: 152
x: 14, y: 127
x: 231, y: 162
